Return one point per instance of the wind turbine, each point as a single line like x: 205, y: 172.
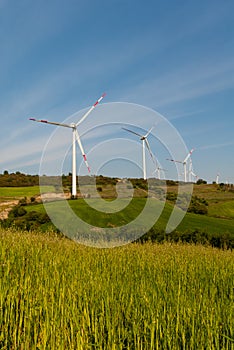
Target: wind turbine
x: 158, y: 170
x: 194, y: 175
x: 184, y: 162
x: 145, y: 142
x: 75, y: 137
x: 191, y: 174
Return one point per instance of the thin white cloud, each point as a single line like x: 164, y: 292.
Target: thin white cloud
x: 186, y: 83
x: 175, y: 116
x: 118, y: 63
x: 220, y: 145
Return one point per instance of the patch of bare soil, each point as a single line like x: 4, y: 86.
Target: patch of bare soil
x: 5, y: 208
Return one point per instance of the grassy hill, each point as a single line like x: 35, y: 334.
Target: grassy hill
x: 219, y: 200
x: 191, y: 222
x: 216, y: 197
x: 193, y: 228
x: 9, y: 193
x: 222, y: 210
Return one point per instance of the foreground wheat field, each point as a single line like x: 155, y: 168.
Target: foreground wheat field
x: 56, y: 294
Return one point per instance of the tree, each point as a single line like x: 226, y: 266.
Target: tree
x: 201, y: 182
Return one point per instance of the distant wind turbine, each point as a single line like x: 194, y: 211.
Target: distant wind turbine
x: 145, y: 142
x: 158, y: 172
x: 76, y: 137
x: 194, y: 175
x: 184, y: 162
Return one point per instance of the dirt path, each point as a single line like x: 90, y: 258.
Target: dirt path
x: 5, y: 208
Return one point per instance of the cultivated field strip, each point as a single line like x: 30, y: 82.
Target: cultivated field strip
x: 56, y: 294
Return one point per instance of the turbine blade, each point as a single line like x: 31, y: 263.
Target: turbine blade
x: 173, y: 160
x: 53, y: 123
x: 162, y: 169
x: 147, y: 134
x: 90, y: 110
x: 82, y: 150
x: 187, y: 157
x: 150, y: 152
x: 133, y: 132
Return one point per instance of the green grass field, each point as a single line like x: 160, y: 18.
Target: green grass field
x: 221, y: 203
x: 56, y: 294
x: 99, y: 219
x: 220, y: 218
x: 223, y: 209
x: 8, y: 193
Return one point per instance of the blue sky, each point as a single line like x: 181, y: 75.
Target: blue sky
x: 174, y: 57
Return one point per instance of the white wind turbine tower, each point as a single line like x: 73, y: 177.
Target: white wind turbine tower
x: 217, y: 179
x: 75, y: 137
x: 145, y: 142
x: 184, y: 162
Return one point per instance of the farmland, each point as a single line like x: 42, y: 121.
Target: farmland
x: 221, y: 201
x: 85, y: 211
x: 215, y: 227
x: 56, y: 294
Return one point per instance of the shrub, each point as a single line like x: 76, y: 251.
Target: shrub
x: 196, y: 236
x: 198, y: 206
x: 17, y: 211
x: 201, y: 182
